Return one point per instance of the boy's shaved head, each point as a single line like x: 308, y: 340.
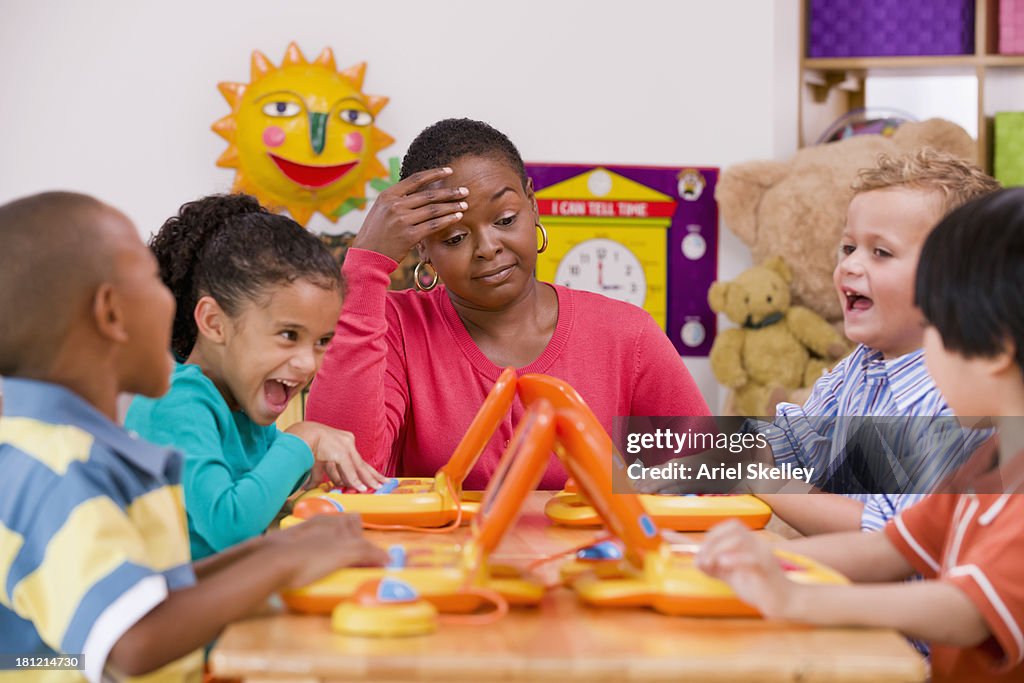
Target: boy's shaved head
x: 56, y: 252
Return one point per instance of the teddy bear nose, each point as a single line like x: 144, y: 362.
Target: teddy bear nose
x: 769, y: 298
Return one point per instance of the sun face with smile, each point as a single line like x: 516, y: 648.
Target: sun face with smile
x: 302, y: 135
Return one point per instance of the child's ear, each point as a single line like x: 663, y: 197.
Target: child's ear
x: 1003, y: 362
x: 107, y: 313
x: 211, y: 320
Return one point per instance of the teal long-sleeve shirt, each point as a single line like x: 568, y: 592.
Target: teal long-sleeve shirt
x: 237, y: 474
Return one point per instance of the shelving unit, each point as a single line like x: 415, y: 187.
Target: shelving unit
x: 829, y: 87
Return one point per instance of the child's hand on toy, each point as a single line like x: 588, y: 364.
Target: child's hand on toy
x: 732, y: 553
x: 334, y: 451
x: 323, y: 544
x: 405, y: 213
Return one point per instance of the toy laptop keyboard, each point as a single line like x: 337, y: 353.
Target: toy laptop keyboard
x: 450, y: 575
x: 645, y: 570
x: 689, y: 512
x: 429, y: 501
x: 670, y: 582
x: 408, y: 501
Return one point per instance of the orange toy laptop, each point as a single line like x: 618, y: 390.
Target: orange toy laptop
x: 678, y: 512
x: 687, y: 512
x: 455, y: 578
x: 425, y: 501
x: 641, y: 568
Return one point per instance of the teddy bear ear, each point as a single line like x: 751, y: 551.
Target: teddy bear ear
x: 779, y: 266
x: 739, y: 192
x: 716, y: 296
x: 940, y: 134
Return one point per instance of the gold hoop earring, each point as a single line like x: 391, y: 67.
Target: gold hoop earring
x: 544, y: 234
x: 417, y: 277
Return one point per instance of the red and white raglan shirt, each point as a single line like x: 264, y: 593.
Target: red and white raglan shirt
x: 973, y: 538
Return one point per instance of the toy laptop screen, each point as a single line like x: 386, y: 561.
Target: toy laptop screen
x: 520, y: 470
x: 592, y: 461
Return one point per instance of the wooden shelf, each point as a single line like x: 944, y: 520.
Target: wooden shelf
x: 865, y: 63
x: 1003, y: 60
x: 918, y: 62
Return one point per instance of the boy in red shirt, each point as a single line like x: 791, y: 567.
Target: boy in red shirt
x: 968, y: 541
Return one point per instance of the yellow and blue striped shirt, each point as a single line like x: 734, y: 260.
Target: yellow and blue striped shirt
x: 93, y: 532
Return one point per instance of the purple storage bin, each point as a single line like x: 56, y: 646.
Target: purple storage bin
x: 876, y: 28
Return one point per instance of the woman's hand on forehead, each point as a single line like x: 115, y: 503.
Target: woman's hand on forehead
x: 409, y: 211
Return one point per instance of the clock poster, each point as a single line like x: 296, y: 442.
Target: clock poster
x: 647, y: 235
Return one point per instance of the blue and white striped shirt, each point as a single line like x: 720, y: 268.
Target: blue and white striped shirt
x: 915, y: 453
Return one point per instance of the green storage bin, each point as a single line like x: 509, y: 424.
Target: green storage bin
x: 1008, y: 149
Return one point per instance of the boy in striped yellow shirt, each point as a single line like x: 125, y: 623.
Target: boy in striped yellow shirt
x: 94, y: 553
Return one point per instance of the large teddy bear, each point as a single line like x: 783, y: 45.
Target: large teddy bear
x: 797, y: 208
x: 777, y: 347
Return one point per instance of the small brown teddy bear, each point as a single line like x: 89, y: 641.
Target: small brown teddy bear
x: 777, y: 348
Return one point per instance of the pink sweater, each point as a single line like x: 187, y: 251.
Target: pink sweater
x: 405, y: 377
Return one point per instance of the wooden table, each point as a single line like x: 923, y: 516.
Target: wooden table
x: 564, y: 640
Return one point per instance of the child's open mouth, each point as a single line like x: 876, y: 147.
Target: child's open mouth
x: 856, y: 301
x: 279, y: 391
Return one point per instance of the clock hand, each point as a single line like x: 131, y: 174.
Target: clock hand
x: 600, y: 274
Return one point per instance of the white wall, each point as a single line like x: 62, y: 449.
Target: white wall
x: 116, y: 98
x: 953, y: 96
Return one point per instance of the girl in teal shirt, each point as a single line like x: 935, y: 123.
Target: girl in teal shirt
x: 258, y: 298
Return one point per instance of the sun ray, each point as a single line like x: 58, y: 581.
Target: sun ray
x: 355, y: 74
x: 329, y: 208
x: 375, y: 169
x: 225, y: 127
x: 375, y: 103
x: 380, y: 138
x: 232, y: 92
x: 301, y: 214
x: 229, y: 159
x: 293, y: 56
x: 260, y: 66
x: 326, y: 59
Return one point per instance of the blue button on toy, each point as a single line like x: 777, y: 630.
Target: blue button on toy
x: 389, y: 486
x: 396, y: 557
x: 605, y: 550
x: 393, y: 590
x: 648, y: 526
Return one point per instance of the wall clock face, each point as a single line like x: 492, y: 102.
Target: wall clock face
x: 606, y: 267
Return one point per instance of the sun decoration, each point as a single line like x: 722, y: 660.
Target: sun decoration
x: 302, y: 135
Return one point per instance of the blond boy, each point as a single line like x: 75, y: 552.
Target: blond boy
x: 895, y: 206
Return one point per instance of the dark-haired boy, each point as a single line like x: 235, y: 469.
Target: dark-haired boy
x: 968, y: 540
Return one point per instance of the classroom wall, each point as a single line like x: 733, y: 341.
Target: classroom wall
x: 116, y: 98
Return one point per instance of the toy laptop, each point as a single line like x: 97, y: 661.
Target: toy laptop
x: 689, y: 512
x: 455, y: 577
x: 641, y: 568
x: 678, y: 512
x: 423, y: 501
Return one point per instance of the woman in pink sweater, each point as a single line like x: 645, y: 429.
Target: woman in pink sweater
x: 407, y: 371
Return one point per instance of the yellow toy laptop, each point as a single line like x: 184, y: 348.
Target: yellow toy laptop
x: 422, y: 501
x: 688, y: 512
x: 458, y: 578
x: 678, y: 512
x: 640, y: 568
